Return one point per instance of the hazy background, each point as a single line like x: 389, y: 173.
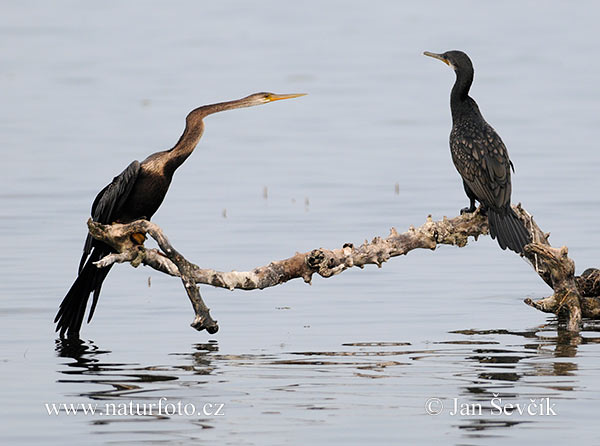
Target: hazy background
x: 88, y: 87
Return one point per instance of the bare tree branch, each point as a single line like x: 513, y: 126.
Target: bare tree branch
x: 573, y: 298
x: 123, y: 243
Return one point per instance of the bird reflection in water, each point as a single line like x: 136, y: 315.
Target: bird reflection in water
x: 498, y: 369
x: 124, y: 379
x: 469, y: 364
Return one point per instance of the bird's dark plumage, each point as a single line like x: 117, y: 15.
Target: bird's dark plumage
x: 481, y: 158
x: 107, y: 207
x: 136, y: 193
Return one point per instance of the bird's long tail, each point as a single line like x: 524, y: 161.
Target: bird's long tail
x: 72, y: 309
x: 508, y: 229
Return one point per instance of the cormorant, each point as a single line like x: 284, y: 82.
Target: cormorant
x: 481, y: 158
x: 136, y: 193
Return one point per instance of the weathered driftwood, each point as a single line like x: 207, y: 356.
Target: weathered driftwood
x: 573, y: 298
x: 119, y: 237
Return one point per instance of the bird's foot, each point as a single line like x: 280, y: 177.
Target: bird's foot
x: 468, y: 210
x: 138, y: 238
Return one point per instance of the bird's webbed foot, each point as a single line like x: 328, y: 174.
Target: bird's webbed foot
x: 138, y: 238
x: 470, y: 209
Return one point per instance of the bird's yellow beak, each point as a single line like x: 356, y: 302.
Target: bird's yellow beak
x: 279, y: 97
x: 437, y: 56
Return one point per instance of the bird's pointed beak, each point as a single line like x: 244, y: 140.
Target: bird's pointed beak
x: 437, y: 56
x: 279, y: 97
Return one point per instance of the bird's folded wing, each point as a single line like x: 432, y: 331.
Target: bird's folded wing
x: 110, y: 199
x: 484, y: 165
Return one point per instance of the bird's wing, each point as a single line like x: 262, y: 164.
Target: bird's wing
x: 110, y: 199
x: 482, y: 160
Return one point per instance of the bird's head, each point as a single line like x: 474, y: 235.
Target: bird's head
x: 457, y: 60
x: 265, y: 97
x: 249, y: 101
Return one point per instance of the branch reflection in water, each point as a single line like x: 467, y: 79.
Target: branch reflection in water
x: 473, y: 366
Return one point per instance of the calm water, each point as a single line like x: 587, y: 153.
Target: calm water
x: 351, y: 359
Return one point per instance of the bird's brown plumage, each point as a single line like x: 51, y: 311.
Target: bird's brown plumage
x: 136, y: 193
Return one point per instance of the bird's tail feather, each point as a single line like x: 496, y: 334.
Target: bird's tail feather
x: 509, y: 229
x: 72, y: 309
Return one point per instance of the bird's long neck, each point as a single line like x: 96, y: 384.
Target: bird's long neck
x: 194, y: 127
x: 461, y: 103
x: 206, y: 110
x: 185, y: 146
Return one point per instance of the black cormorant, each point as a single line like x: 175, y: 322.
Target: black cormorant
x: 481, y: 158
x: 136, y: 193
